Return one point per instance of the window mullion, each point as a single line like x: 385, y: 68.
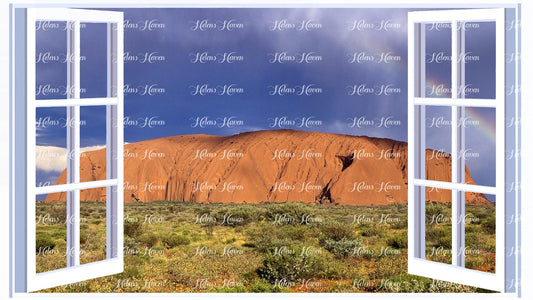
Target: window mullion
x: 73, y: 145
x: 111, y: 144
x: 419, y: 139
x: 421, y: 124
x: 461, y: 136
x: 457, y: 147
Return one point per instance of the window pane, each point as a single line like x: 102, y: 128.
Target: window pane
x: 480, y: 146
x: 51, y: 147
x: 92, y: 143
x: 50, y: 60
x: 480, y: 60
x: 438, y: 143
x: 50, y: 232
x: 92, y: 225
x: 438, y: 225
x: 93, y: 56
x: 480, y: 232
x: 438, y: 59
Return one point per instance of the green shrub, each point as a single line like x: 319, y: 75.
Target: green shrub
x: 43, y: 241
x: 133, y: 229
x: 290, y: 209
x: 174, y: 240
x: 472, y: 238
x: 398, y: 241
x: 130, y: 243
x: 238, y: 215
x: 342, y: 248
x: 230, y: 241
x: 367, y: 231
x: 132, y: 272
x: 148, y: 239
x: 445, y: 242
x: 290, y: 267
x: 84, y: 236
x: 57, y: 212
x: 489, y: 224
x: 203, y: 210
x: 268, y: 236
x: 399, y: 225
x: 337, y: 231
x: 387, y: 266
x: 433, y: 234
x: 435, y: 209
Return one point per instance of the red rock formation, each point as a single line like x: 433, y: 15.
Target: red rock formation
x: 267, y: 166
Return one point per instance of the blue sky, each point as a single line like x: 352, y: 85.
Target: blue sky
x: 342, y: 58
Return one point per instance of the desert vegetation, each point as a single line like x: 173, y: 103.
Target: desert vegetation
x: 284, y: 247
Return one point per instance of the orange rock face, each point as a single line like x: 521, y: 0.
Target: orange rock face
x: 267, y: 166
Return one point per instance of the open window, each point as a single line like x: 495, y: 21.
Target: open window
x: 89, y: 93
x: 457, y: 95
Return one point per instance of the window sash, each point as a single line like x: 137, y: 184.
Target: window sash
x: 76, y: 102
x: 457, y: 102
x: 464, y: 187
x: 114, y: 144
x: 417, y: 264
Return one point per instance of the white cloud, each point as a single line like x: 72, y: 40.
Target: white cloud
x: 54, y: 159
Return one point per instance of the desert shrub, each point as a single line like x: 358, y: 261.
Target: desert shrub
x: 371, y: 240
x: 84, y: 236
x: 241, y: 215
x: 290, y: 267
x: 43, y: 241
x: 399, y: 225
x: 293, y: 232
x: 433, y: 210
x: 368, y: 231
x: 266, y: 242
x: 203, y: 210
x: 174, y: 240
x: 132, y: 272
x: 57, y: 212
x: 268, y: 236
x: 336, y: 231
x: 471, y: 238
x: 342, y: 248
x: 290, y: 209
x: 235, y: 289
x: 133, y: 229
x: 435, y: 233
x: 130, y: 243
x: 96, y: 221
x: 445, y: 242
x: 473, y: 229
x: 489, y: 224
x: 409, y: 284
x: 230, y: 241
x: 398, y: 241
x: 59, y: 233
x: 148, y: 239
x: 208, y: 228
x: 387, y: 266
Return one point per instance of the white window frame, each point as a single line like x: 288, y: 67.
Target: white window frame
x: 113, y: 263
x: 417, y: 264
